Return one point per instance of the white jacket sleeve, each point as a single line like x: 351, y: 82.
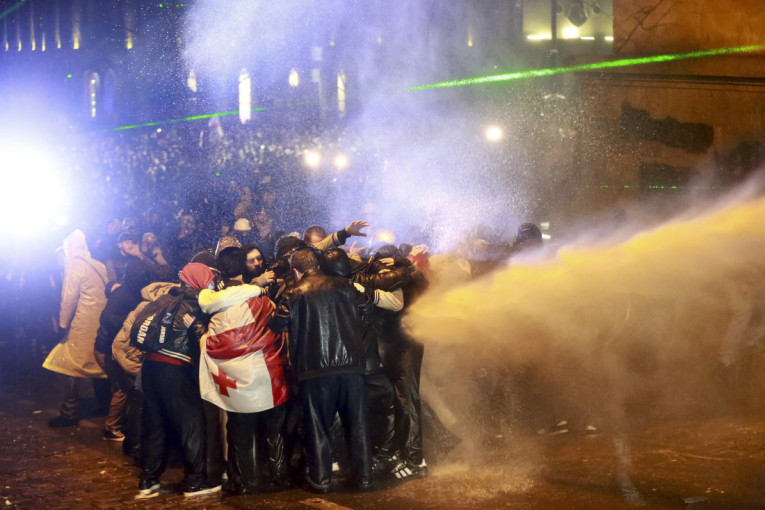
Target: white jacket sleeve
x: 70, y: 294
x: 393, y: 301
x: 211, y: 301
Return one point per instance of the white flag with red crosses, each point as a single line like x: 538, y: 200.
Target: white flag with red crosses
x: 241, y: 364
x: 242, y: 384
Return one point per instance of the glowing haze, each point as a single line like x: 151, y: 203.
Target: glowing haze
x: 610, y: 333
x: 427, y: 161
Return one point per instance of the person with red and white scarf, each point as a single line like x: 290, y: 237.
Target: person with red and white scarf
x: 242, y: 372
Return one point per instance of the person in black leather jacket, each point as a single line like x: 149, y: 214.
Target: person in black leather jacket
x: 172, y: 402
x: 401, y: 357
x: 323, y: 316
x: 386, y: 289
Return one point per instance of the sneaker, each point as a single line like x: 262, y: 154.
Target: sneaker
x: 198, y: 489
x: 148, y: 488
x: 62, y: 421
x: 409, y: 470
x: 318, y: 488
x: 383, y: 463
x: 235, y: 488
x: 591, y: 430
x: 113, y: 435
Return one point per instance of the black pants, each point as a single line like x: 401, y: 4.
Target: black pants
x: 322, y: 398
x: 382, y: 410
x: 403, y: 360
x: 214, y: 441
x: 172, y: 405
x: 265, y: 431
x: 70, y: 408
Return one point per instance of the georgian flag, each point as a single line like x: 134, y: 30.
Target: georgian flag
x: 241, y: 365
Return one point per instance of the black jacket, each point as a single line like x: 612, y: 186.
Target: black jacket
x: 183, y: 343
x: 323, y: 316
x: 119, y: 304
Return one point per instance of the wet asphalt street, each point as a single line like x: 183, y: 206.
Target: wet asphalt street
x: 716, y: 462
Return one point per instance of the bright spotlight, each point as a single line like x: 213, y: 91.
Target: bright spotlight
x: 35, y: 191
x: 493, y: 134
x: 383, y: 236
x: 570, y: 33
x: 312, y: 159
x: 341, y: 161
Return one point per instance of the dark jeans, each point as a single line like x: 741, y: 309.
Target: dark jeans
x: 403, y: 360
x: 265, y: 431
x: 215, y: 441
x: 70, y: 408
x: 382, y: 411
x: 322, y: 398
x: 119, y: 381
x: 172, y: 405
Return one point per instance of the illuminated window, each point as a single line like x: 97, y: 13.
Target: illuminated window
x: 191, y: 81
x: 18, y: 31
x: 129, y: 25
x: 245, y: 96
x: 32, y: 38
x: 76, y: 20
x: 58, y: 26
x: 341, y: 94
x: 570, y: 33
x: 294, y: 79
x: 94, y: 82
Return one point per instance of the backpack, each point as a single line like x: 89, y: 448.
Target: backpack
x: 154, y: 323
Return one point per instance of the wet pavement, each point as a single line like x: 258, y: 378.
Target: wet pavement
x: 715, y: 462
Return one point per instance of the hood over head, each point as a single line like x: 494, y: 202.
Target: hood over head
x: 75, y: 245
x: 155, y: 290
x: 197, y: 275
x: 335, y: 262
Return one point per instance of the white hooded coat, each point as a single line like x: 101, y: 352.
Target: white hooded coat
x: 82, y: 301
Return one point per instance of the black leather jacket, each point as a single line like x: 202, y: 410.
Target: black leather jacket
x: 183, y: 344
x: 323, y: 315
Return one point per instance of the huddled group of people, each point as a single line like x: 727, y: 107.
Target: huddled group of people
x: 283, y: 361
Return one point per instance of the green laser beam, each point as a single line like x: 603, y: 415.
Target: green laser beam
x: 535, y: 73
x: 204, y: 116
x: 11, y: 9
x: 186, y: 119
x: 502, y: 77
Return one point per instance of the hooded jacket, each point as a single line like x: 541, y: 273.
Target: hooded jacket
x: 83, y: 299
x: 129, y: 357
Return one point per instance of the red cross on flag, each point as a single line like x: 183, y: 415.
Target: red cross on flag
x: 241, y: 366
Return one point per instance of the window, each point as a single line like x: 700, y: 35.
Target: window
x: 341, y: 94
x: 94, y: 83
x: 245, y: 96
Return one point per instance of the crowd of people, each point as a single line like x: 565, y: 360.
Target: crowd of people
x: 291, y: 341
x: 204, y: 170
x: 210, y: 222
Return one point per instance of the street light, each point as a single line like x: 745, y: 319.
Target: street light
x: 341, y: 162
x: 493, y: 134
x: 312, y: 159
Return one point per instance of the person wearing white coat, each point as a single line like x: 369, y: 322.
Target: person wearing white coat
x: 82, y: 301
